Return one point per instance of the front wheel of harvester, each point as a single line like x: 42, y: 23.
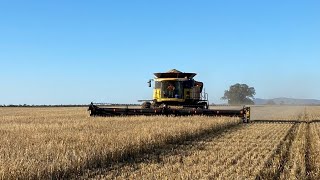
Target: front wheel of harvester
x: 163, y: 106
x: 154, y: 105
x: 146, y: 105
x: 203, y: 105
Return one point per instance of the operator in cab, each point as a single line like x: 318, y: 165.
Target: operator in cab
x: 171, y: 89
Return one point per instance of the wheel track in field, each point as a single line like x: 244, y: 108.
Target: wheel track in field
x: 308, y: 153
x: 313, y: 152
x: 279, y: 158
x: 282, y: 151
x: 270, y: 135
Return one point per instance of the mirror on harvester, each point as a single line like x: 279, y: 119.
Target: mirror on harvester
x: 149, y: 82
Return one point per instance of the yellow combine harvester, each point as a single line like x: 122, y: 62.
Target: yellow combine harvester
x: 175, y: 88
x: 175, y: 93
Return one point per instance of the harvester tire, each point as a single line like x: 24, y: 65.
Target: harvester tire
x: 203, y: 105
x: 146, y: 105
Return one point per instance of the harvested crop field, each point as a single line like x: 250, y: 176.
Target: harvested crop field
x: 55, y: 143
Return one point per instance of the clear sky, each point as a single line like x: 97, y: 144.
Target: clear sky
x: 75, y: 52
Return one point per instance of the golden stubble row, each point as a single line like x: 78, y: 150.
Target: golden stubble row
x: 315, y: 150
x: 313, y: 112
x: 295, y: 166
x: 46, y: 143
x: 238, y: 153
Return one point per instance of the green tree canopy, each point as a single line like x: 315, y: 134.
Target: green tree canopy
x: 239, y: 94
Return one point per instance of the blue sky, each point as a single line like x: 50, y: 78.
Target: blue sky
x: 70, y: 52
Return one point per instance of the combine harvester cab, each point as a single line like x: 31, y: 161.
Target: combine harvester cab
x: 175, y: 93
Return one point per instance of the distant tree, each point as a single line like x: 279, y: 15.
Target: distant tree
x: 239, y: 94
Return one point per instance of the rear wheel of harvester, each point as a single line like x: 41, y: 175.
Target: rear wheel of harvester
x: 205, y: 106
x: 146, y: 105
